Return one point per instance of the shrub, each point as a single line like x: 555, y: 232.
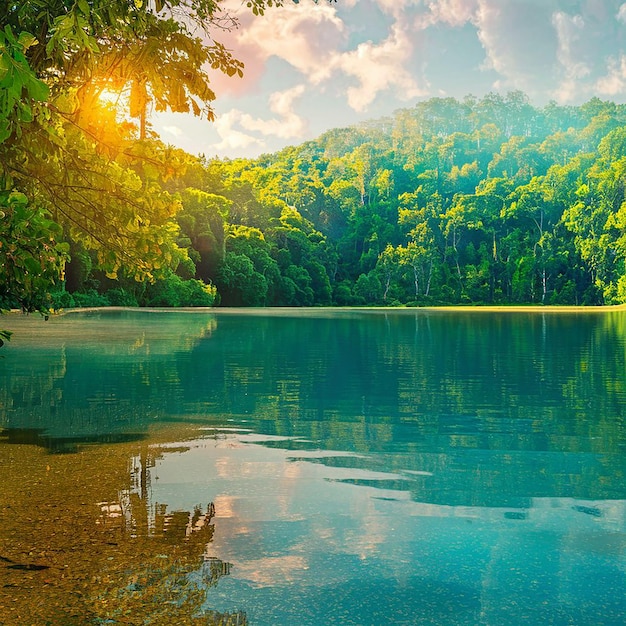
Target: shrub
x: 61, y: 300
x: 121, y: 297
x: 90, y: 298
x: 173, y: 291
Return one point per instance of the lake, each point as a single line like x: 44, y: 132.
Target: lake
x: 313, y: 467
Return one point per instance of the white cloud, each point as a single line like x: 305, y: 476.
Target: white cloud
x: 398, y: 8
x: 313, y: 40
x: 307, y: 39
x: 569, y: 30
x: 173, y: 130
x: 453, y: 12
x: 379, y: 67
x: 425, y: 13
x: 591, y: 51
x: 286, y: 125
x: 374, y: 55
x: 568, y: 90
x: 231, y: 138
x: 614, y: 82
x: 519, y: 42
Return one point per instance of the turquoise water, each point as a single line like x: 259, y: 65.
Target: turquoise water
x: 366, y: 467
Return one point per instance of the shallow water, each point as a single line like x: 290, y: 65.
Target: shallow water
x: 314, y: 467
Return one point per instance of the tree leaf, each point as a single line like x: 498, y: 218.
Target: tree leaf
x: 37, y: 89
x: 26, y: 40
x: 5, y: 64
x: 32, y: 266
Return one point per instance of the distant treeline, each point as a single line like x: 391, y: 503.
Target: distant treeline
x: 484, y: 201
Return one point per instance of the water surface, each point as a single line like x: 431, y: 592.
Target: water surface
x: 314, y: 467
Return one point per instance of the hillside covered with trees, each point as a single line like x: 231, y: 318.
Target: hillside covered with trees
x: 480, y: 201
x: 489, y: 201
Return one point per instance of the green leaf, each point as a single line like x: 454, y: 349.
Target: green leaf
x: 32, y: 265
x: 25, y: 114
x: 5, y: 130
x: 37, y: 89
x: 5, y: 64
x: 26, y: 40
x: 9, y: 34
x: 18, y: 199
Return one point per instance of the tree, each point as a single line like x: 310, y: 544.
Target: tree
x: 91, y: 167
x: 239, y: 283
x: 421, y: 217
x: 388, y: 265
x: 31, y: 258
x: 202, y: 220
x: 248, y: 274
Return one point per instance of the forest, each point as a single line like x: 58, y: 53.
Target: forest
x: 486, y: 200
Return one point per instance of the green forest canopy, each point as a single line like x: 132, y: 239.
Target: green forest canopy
x: 485, y: 201
x: 80, y: 178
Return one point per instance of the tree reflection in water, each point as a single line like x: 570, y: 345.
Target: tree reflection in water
x: 164, y: 578
x: 81, y: 542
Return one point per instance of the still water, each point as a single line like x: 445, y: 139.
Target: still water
x: 314, y: 467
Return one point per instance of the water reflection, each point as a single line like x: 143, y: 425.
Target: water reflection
x: 306, y: 547
x: 363, y: 467
x: 93, y: 376
x: 68, y: 556
x: 490, y: 409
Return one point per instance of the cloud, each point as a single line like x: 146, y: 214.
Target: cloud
x: 398, y: 8
x: 614, y: 82
x: 453, y: 12
x: 335, y: 63
x: 569, y: 30
x: 173, y: 130
x: 379, y: 67
x: 313, y: 41
x: 519, y: 42
x: 231, y: 138
x: 305, y: 37
x: 591, y: 47
x: 547, y: 48
x: 286, y: 125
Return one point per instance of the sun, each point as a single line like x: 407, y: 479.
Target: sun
x: 110, y: 97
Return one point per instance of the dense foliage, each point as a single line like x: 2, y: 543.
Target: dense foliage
x: 479, y: 201
x: 81, y: 173
x: 473, y: 201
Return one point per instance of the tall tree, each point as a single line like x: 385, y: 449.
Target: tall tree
x: 67, y: 150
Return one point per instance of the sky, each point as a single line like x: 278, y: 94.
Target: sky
x: 312, y: 67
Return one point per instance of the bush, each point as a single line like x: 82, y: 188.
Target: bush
x: 173, y: 291
x: 196, y: 293
x: 343, y: 295
x: 61, y: 300
x: 121, y: 297
x: 90, y: 298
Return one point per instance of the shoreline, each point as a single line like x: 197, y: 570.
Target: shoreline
x: 454, y: 308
